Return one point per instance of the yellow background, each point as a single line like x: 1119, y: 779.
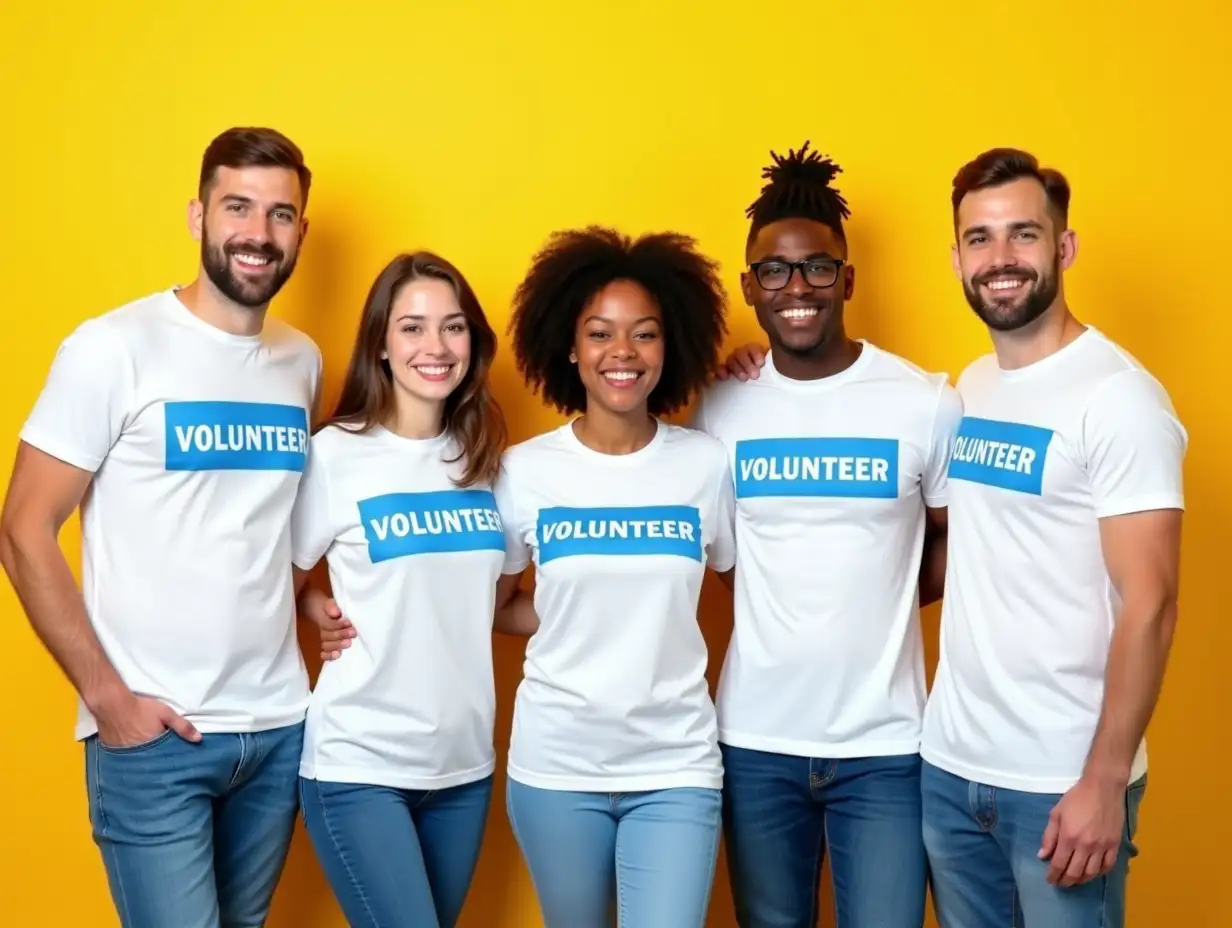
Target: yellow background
x: 477, y: 128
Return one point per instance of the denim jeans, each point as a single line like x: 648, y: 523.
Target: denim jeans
x: 397, y: 858
x: 983, y: 844
x: 646, y: 857
x: 194, y: 835
x: 780, y: 812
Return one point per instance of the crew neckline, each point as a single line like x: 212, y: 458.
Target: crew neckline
x: 419, y: 444
x: 186, y: 316
x: 831, y: 382
x: 616, y: 460
x: 1047, y: 363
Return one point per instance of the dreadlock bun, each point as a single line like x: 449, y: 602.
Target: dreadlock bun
x: 799, y: 188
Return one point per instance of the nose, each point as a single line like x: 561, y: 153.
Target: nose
x: 796, y: 284
x: 433, y: 344
x: 623, y: 347
x: 1003, y: 254
x: 257, y: 227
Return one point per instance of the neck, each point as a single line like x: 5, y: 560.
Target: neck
x: 832, y: 357
x: 414, y: 418
x: 611, y: 432
x: 1047, y: 335
x: 208, y: 303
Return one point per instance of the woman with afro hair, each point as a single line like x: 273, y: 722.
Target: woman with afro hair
x: 614, y: 766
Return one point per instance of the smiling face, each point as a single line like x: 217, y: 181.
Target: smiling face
x: 427, y: 341
x: 799, y: 308
x: 618, y: 347
x: 250, y: 227
x: 1011, y: 253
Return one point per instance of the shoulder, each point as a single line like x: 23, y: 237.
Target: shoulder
x: 703, y: 452
x: 288, y: 341
x: 530, y: 452
x: 931, y: 386
x: 977, y: 372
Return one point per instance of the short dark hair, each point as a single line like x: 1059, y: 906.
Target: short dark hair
x: 246, y: 147
x: 472, y: 415
x: 799, y: 188
x: 574, y: 266
x: 999, y: 166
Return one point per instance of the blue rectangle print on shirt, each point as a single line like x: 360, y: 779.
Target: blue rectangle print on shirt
x: 1008, y: 455
x: 438, y: 522
x: 620, y: 530
x: 235, y: 436
x: 861, y: 468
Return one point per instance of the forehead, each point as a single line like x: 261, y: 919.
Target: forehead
x: 265, y: 185
x: 430, y: 298
x: 1022, y: 200
x: 623, y: 299
x: 796, y: 239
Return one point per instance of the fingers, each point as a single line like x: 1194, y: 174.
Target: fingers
x: 1049, y: 845
x: 1061, y: 858
x: 178, y: 724
x: 331, y: 609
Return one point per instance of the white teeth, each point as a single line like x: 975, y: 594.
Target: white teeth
x: 252, y: 260
x: 1012, y: 284
x: 434, y: 371
x: 621, y: 375
x: 798, y: 313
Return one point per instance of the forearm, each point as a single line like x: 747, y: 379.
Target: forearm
x: 728, y: 578
x: 932, y: 568
x: 1133, y: 678
x: 52, y: 602
x: 517, y: 617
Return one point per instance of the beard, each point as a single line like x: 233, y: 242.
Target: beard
x: 252, y: 294
x: 1013, y: 311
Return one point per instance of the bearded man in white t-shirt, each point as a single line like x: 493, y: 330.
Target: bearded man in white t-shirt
x: 1065, y: 503
x: 178, y: 423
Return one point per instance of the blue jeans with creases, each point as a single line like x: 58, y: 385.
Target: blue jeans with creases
x: 195, y: 835
x: 983, y: 848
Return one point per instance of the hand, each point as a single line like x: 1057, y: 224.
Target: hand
x: 323, y: 612
x: 1084, y: 832
x: 744, y: 363
x: 131, y: 720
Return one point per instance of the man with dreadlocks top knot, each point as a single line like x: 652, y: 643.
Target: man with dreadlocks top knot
x: 838, y: 453
x: 615, y: 776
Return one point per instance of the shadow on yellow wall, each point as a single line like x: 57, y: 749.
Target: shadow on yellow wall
x: 475, y: 130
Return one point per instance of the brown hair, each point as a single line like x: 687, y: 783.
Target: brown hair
x: 472, y: 416
x: 999, y: 166
x: 247, y: 147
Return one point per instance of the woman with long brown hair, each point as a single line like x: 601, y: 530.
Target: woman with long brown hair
x: 396, y: 773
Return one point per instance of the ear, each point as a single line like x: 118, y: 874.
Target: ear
x: 956, y: 263
x: 196, y: 218
x: 746, y: 288
x: 303, y: 230
x: 849, y: 282
x: 1069, y: 249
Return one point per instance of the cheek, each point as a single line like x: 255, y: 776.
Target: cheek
x: 400, y: 347
x: 652, y: 353
x: 459, y: 345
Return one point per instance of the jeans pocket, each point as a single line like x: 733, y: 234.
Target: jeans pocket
x: 133, y: 748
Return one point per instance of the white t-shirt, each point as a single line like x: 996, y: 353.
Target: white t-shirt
x: 614, y: 694
x: 197, y: 439
x: 413, y: 561
x: 1043, y: 453
x: 832, y: 477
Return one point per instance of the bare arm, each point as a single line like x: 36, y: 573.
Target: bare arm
x: 1142, y: 551
x: 515, y: 608
x: 932, y: 565
x: 43, y: 492
x: 729, y: 578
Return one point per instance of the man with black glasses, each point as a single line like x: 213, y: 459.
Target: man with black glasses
x: 839, y: 453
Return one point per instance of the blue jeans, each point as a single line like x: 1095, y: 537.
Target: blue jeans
x: 983, y: 844
x: 647, y: 856
x: 397, y: 858
x: 781, y: 811
x: 194, y: 835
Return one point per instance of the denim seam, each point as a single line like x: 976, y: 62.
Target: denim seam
x: 714, y: 860
x: 105, y: 844
x: 342, y: 855
x: 239, y: 765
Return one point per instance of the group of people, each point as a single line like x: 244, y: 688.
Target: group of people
x: 832, y: 485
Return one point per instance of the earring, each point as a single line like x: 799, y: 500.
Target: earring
x: 572, y: 358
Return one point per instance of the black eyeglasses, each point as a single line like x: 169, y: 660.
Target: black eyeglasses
x: 817, y: 272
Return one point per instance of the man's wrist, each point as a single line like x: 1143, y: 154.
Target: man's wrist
x: 101, y: 700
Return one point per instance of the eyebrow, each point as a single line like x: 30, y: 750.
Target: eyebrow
x: 1013, y: 227
x: 813, y: 257
x: 598, y: 318
x: 238, y: 198
x: 420, y: 317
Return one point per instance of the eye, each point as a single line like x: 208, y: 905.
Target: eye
x: 647, y: 336
x: 283, y: 216
x: 456, y: 327
x: 597, y: 334
x: 410, y: 328
x: 1026, y: 236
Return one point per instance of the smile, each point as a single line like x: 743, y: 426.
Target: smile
x: 433, y: 371
x: 1005, y: 283
x: 251, y: 260
x: 799, y: 312
x: 621, y: 378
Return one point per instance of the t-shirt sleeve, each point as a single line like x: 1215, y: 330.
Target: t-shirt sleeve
x: 1134, y: 446
x: 86, y: 399
x: 721, y: 556
x: 946, y: 419
x: 517, y: 551
x: 312, y: 521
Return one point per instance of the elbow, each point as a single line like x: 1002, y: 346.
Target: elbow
x: 10, y: 543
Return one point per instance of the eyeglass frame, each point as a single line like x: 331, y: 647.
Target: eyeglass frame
x: 793, y: 266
